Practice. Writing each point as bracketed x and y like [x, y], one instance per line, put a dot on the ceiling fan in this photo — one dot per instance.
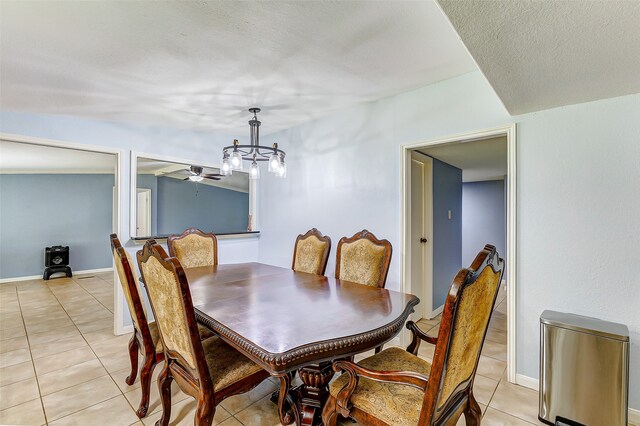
[198, 176]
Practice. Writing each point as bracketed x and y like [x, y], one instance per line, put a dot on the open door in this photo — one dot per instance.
[422, 232]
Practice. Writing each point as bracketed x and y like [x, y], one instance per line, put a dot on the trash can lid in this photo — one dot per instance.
[584, 324]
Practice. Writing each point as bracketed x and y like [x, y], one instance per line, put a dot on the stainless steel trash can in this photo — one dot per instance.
[584, 370]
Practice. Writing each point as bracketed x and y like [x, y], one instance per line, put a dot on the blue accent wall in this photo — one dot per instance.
[447, 233]
[483, 218]
[183, 204]
[37, 211]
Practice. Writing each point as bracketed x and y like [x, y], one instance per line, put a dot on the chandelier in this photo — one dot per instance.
[234, 155]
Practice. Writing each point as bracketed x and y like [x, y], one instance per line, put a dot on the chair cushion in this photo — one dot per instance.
[470, 324]
[194, 250]
[394, 404]
[226, 365]
[126, 286]
[361, 262]
[169, 308]
[204, 332]
[309, 255]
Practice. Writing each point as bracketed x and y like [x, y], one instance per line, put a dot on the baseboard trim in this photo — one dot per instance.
[526, 381]
[437, 312]
[126, 329]
[35, 277]
[531, 383]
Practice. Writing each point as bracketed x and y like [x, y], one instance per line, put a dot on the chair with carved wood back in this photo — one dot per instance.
[363, 259]
[208, 370]
[311, 252]
[194, 248]
[145, 335]
[145, 339]
[396, 387]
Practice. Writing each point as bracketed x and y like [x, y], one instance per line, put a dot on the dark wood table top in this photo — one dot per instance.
[285, 319]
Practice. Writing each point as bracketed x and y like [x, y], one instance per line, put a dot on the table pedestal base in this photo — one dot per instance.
[311, 395]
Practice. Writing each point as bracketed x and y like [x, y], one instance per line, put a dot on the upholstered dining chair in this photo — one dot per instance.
[363, 259]
[194, 248]
[208, 370]
[311, 252]
[396, 387]
[145, 339]
[145, 335]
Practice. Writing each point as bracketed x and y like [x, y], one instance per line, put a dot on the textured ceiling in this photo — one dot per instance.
[202, 64]
[543, 54]
[484, 159]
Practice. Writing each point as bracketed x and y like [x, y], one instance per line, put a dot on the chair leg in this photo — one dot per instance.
[330, 412]
[148, 366]
[164, 385]
[133, 356]
[473, 412]
[204, 413]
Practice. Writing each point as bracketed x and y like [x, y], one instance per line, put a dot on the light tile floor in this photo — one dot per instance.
[60, 364]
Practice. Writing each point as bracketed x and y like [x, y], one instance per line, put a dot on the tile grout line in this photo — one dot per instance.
[93, 405]
[512, 415]
[33, 365]
[84, 288]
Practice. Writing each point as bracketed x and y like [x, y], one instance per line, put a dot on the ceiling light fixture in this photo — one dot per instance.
[233, 155]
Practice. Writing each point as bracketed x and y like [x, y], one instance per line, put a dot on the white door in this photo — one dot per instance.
[143, 213]
[422, 232]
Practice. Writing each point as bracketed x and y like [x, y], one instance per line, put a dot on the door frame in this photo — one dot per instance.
[405, 169]
[118, 295]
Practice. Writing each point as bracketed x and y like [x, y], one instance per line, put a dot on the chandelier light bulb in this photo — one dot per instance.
[282, 170]
[274, 163]
[225, 168]
[254, 172]
[236, 160]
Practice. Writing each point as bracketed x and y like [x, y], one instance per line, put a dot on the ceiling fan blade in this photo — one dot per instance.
[186, 179]
[211, 175]
[212, 178]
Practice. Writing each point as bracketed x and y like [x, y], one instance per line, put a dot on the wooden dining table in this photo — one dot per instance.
[288, 321]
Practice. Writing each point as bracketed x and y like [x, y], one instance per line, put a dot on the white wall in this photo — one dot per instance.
[579, 220]
[344, 170]
[578, 196]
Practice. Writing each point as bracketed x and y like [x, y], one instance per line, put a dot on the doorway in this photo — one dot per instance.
[422, 263]
[77, 187]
